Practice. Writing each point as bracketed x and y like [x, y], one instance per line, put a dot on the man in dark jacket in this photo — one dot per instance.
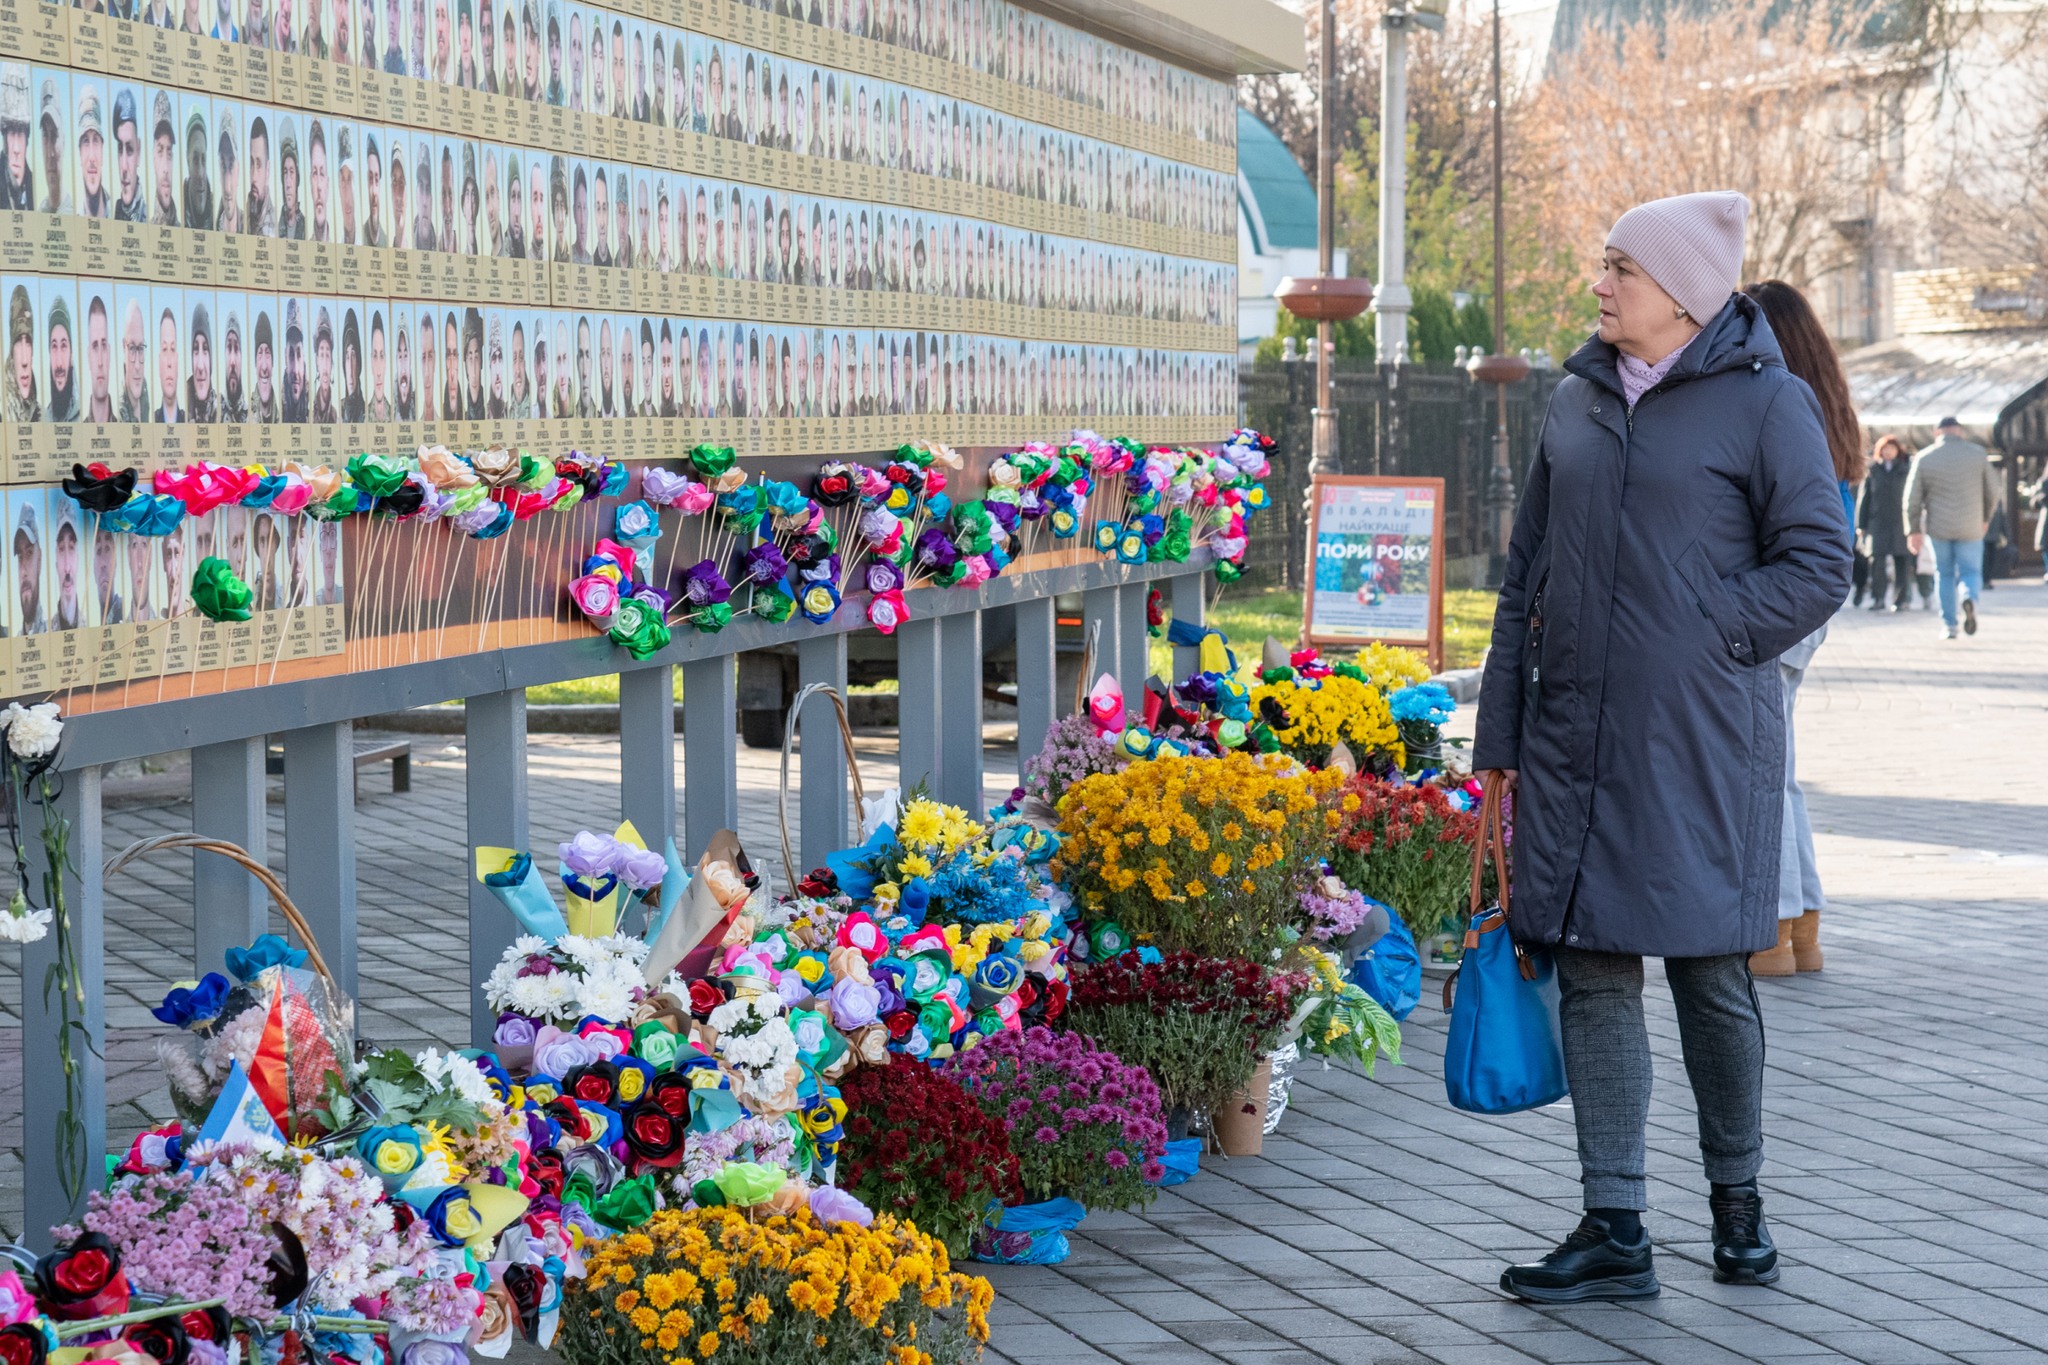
[1881, 521]
[1681, 528]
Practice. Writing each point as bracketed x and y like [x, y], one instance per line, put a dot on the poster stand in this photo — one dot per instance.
[1375, 545]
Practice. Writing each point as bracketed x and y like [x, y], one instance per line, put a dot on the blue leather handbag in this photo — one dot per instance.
[1503, 1053]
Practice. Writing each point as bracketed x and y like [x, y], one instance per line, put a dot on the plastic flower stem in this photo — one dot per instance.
[63, 977]
[162, 1310]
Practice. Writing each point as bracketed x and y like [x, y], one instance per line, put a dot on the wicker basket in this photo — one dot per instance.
[789, 864]
[164, 843]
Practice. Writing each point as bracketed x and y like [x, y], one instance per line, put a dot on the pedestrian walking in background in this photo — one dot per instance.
[1810, 356]
[1632, 697]
[2036, 495]
[1950, 495]
[1881, 523]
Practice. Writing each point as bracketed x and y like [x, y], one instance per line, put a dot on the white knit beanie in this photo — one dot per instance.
[1690, 244]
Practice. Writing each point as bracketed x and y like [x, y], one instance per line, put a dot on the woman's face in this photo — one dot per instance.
[1636, 315]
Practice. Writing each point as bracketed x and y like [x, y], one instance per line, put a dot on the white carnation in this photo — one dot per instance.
[19, 924]
[33, 732]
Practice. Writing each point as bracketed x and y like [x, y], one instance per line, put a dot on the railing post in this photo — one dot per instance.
[1191, 605]
[43, 1045]
[494, 758]
[1037, 675]
[823, 806]
[711, 754]
[320, 839]
[1134, 654]
[1099, 622]
[919, 696]
[229, 907]
[960, 768]
[647, 751]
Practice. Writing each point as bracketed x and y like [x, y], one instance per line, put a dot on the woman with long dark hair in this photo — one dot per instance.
[1679, 531]
[1810, 355]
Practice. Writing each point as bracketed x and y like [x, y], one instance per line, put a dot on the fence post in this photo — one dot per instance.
[320, 836]
[494, 748]
[43, 1201]
[711, 755]
[229, 907]
[919, 696]
[823, 805]
[960, 768]
[1191, 605]
[1134, 651]
[1038, 702]
[1099, 608]
[647, 751]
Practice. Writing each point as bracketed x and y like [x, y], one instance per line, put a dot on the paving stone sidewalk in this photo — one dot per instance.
[1907, 1090]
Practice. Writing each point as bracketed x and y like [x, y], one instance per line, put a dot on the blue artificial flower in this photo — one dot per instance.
[1427, 702]
[1106, 534]
[785, 498]
[635, 524]
[183, 1007]
[266, 952]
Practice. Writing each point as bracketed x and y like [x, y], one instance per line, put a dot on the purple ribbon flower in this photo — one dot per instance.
[884, 576]
[662, 486]
[765, 565]
[936, 551]
[704, 585]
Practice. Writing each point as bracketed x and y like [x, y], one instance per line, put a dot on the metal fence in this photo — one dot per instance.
[940, 658]
[1429, 420]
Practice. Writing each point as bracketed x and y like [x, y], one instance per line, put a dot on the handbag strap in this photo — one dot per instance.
[1492, 840]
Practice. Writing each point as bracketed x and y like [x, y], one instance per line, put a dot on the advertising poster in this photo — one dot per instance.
[1376, 571]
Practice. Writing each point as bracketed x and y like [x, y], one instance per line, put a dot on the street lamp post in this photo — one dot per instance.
[1391, 301]
[1326, 299]
[1499, 369]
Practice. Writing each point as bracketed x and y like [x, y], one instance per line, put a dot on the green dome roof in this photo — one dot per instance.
[1273, 190]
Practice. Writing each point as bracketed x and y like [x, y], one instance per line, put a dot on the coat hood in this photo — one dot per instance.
[1737, 337]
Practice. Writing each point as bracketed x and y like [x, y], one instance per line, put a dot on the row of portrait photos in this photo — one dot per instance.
[171, 158]
[758, 99]
[992, 37]
[106, 351]
[66, 571]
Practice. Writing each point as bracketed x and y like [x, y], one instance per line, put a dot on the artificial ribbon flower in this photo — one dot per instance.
[711, 461]
[219, 592]
[497, 467]
[637, 627]
[596, 595]
[888, 610]
[819, 602]
[446, 470]
[662, 487]
[97, 488]
[636, 524]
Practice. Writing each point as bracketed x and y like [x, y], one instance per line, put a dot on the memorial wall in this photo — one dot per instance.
[254, 232]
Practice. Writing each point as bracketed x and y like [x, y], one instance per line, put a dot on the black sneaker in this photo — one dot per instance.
[1743, 1250]
[1969, 616]
[1589, 1265]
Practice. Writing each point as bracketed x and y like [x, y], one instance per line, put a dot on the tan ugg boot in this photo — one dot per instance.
[1805, 941]
[1776, 961]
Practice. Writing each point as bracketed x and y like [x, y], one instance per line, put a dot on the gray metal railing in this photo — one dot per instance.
[940, 743]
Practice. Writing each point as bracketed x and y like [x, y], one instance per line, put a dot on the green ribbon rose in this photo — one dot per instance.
[219, 592]
[378, 475]
[710, 461]
[629, 1204]
[638, 628]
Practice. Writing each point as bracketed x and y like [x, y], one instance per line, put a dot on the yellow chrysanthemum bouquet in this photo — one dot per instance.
[1205, 855]
[713, 1287]
[1322, 711]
